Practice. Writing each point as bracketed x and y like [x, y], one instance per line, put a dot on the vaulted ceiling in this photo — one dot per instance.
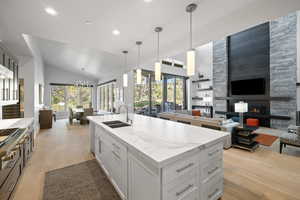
[67, 41]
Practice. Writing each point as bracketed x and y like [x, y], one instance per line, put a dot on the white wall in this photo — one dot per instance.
[26, 72]
[204, 66]
[298, 61]
[56, 75]
[32, 71]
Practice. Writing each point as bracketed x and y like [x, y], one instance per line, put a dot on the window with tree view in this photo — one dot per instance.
[69, 96]
[164, 95]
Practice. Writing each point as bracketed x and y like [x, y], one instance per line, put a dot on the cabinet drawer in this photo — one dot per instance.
[213, 152]
[100, 132]
[9, 185]
[181, 190]
[191, 196]
[213, 188]
[212, 167]
[179, 168]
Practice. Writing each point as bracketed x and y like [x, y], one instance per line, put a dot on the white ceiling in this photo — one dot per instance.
[97, 64]
[94, 43]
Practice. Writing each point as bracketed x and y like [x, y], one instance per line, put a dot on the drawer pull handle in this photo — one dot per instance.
[99, 146]
[214, 152]
[213, 170]
[115, 145]
[184, 190]
[115, 154]
[11, 188]
[212, 194]
[184, 168]
[9, 157]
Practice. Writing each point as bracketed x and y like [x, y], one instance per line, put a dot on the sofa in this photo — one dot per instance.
[211, 123]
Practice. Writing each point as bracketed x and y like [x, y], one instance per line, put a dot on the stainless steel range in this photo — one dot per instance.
[6, 135]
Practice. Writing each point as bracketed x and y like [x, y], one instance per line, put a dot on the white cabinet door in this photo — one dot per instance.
[106, 157]
[143, 184]
[119, 167]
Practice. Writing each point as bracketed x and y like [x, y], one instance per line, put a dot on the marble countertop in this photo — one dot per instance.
[15, 123]
[159, 140]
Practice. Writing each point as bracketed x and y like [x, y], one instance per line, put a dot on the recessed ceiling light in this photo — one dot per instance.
[88, 22]
[147, 1]
[51, 11]
[116, 32]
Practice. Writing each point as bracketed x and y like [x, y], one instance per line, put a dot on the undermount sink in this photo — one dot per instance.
[112, 122]
[115, 124]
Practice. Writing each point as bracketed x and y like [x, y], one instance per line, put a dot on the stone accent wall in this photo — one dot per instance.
[220, 73]
[283, 68]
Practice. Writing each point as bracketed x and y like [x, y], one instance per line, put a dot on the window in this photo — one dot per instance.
[165, 95]
[106, 96]
[58, 97]
[157, 95]
[69, 96]
[141, 97]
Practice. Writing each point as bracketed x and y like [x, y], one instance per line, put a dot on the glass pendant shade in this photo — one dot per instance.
[157, 71]
[138, 76]
[191, 62]
[125, 80]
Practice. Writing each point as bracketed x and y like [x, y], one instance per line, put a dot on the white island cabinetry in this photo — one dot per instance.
[144, 166]
[112, 156]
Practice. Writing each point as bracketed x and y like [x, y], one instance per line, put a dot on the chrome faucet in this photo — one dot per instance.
[127, 116]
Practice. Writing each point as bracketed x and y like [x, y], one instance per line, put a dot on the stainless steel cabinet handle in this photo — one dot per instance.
[115, 145]
[185, 167]
[9, 157]
[212, 194]
[11, 188]
[213, 170]
[99, 145]
[184, 190]
[115, 154]
[214, 152]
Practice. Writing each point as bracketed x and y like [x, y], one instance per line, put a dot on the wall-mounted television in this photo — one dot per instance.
[248, 87]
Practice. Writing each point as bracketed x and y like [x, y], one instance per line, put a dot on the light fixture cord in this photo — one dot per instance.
[157, 46]
[139, 54]
[191, 30]
[125, 59]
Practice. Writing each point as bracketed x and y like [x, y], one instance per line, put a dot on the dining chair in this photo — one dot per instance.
[71, 116]
[87, 112]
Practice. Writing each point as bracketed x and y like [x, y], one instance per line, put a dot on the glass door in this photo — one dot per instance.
[156, 96]
[170, 89]
[142, 95]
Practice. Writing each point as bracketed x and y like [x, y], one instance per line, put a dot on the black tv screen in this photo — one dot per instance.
[248, 87]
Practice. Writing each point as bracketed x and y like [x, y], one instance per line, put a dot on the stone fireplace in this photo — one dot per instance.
[277, 107]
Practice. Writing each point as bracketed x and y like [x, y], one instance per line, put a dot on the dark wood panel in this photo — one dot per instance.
[11, 111]
[249, 54]
[255, 98]
[253, 115]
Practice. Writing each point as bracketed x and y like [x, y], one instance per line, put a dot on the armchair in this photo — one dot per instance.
[292, 138]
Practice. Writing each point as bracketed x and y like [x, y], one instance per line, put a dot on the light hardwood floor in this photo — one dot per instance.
[262, 175]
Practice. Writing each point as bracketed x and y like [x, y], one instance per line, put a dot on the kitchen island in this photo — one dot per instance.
[156, 159]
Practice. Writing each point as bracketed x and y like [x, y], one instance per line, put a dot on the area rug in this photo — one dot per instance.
[266, 140]
[83, 181]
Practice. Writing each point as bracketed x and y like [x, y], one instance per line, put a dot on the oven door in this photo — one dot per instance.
[8, 162]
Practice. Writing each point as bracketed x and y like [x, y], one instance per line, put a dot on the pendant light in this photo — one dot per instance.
[191, 53]
[157, 63]
[139, 70]
[125, 76]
